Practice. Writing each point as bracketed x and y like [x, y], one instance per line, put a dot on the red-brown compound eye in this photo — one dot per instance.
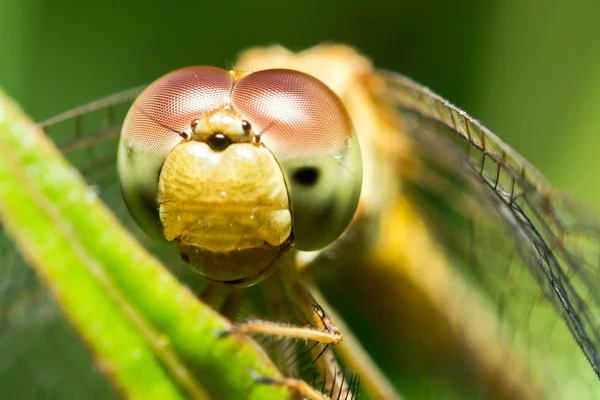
[156, 123]
[307, 128]
[170, 104]
[296, 114]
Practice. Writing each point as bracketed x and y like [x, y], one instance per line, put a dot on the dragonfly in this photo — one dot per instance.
[408, 217]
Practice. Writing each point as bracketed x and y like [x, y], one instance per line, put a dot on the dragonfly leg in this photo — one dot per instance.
[325, 332]
[307, 391]
[297, 385]
[308, 309]
[321, 328]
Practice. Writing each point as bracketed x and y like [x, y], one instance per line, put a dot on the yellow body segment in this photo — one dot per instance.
[223, 201]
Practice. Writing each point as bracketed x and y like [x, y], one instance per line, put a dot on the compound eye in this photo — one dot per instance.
[170, 105]
[159, 119]
[306, 126]
[295, 113]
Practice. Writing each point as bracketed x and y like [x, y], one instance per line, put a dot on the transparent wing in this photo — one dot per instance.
[533, 252]
[88, 136]
[40, 357]
[38, 350]
[35, 339]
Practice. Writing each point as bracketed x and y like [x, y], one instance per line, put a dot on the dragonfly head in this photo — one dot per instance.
[238, 168]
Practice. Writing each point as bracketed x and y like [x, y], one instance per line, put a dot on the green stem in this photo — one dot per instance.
[148, 332]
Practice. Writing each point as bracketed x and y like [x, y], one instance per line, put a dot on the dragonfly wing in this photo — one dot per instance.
[533, 252]
[88, 136]
[35, 339]
[40, 355]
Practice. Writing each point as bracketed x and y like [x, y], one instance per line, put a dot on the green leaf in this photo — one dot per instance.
[147, 332]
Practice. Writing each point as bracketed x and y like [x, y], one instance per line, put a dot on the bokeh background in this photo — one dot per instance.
[530, 70]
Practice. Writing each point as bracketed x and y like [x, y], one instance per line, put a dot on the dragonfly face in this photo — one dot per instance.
[466, 264]
[206, 158]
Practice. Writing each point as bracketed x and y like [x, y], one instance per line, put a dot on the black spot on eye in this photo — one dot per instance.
[218, 141]
[307, 176]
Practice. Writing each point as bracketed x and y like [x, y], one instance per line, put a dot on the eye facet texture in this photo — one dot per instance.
[152, 128]
[305, 124]
[296, 114]
[170, 104]
[297, 117]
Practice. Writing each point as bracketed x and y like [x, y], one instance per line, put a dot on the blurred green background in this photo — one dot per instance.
[530, 70]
